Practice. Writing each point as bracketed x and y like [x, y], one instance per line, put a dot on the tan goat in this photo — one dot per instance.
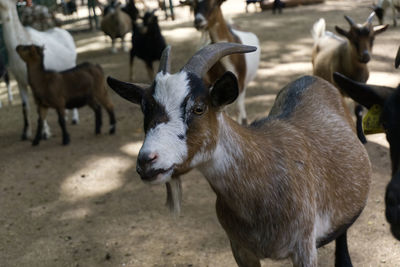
[349, 56]
[73, 88]
[285, 185]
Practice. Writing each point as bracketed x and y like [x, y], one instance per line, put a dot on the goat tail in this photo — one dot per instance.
[318, 29]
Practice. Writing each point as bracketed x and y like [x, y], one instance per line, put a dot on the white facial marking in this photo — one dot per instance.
[163, 139]
[201, 18]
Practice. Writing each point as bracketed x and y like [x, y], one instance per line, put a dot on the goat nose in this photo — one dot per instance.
[199, 21]
[145, 159]
[365, 57]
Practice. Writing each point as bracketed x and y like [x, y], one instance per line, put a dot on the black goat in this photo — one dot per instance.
[147, 43]
[386, 104]
[131, 10]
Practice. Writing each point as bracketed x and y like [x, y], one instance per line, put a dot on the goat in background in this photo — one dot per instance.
[73, 88]
[60, 55]
[116, 24]
[209, 18]
[381, 7]
[147, 43]
[349, 56]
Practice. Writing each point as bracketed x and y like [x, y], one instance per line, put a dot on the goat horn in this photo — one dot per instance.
[397, 61]
[205, 58]
[165, 61]
[371, 16]
[350, 20]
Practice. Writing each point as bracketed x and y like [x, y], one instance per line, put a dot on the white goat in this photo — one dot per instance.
[60, 54]
[380, 9]
[285, 185]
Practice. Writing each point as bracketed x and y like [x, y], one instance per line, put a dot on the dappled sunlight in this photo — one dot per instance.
[92, 46]
[95, 178]
[75, 213]
[181, 34]
[260, 99]
[384, 78]
[287, 69]
[380, 139]
[132, 149]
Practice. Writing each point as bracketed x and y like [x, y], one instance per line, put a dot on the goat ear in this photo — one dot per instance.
[341, 31]
[366, 95]
[225, 90]
[381, 28]
[129, 91]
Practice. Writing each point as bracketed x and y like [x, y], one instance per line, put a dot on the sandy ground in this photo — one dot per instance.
[84, 204]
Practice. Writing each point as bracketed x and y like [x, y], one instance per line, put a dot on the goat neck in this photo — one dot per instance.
[219, 30]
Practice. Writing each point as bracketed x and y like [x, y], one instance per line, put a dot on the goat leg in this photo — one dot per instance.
[7, 80]
[23, 91]
[358, 112]
[98, 120]
[38, 136]
[111, 114]
[61, 121]
[42, 113]
[244, 257]
[342, 256]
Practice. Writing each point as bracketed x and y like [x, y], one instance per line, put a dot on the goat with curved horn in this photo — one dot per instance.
[279, 193]
[197, 66]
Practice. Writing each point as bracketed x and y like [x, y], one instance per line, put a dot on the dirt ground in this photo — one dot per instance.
[84, 204]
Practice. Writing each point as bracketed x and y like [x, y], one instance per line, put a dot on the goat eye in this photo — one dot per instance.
[198, 110]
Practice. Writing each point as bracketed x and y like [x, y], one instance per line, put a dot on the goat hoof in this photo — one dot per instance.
[74, 122]
[112, 129]
[35, 142]
[24, 137]
[45, 136]
[392, 202]
[66, 141]
[244, 122]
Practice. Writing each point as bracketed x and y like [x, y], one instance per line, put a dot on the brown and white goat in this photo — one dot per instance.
[348, 56]
[73, 88]
[285, 185]
[208, 17]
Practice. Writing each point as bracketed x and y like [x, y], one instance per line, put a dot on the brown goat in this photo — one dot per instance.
[347, 56]
[285, 185]
[73, 88]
